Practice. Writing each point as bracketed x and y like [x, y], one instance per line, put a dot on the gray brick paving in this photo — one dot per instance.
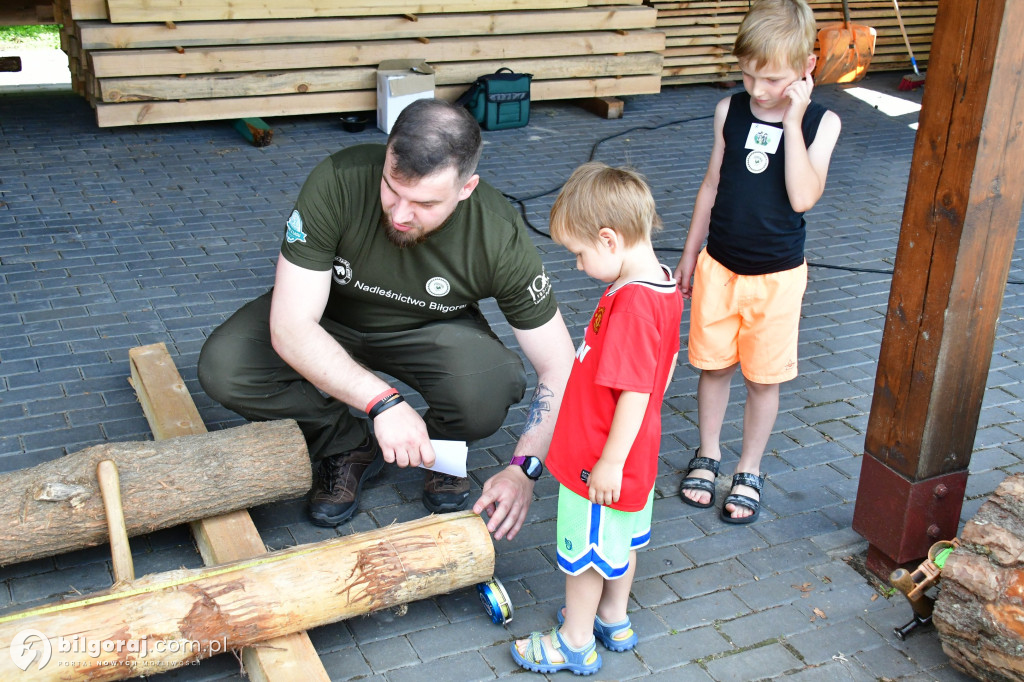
[122, 237]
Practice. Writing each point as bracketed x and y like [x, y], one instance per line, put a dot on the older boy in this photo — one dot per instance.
[604, 450]
[768, 166]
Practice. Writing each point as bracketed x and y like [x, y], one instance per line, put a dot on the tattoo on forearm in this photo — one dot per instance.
[539, 404]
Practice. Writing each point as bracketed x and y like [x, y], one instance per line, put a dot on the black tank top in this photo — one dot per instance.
[754, 229]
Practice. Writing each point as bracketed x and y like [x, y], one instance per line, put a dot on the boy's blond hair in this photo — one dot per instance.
[597, 196]
[778, 32]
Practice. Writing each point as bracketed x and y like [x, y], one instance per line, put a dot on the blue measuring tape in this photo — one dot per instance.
[495, 600]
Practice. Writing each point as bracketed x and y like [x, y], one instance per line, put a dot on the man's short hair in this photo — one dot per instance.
[597, 196]
[778, 32]
[431, 135]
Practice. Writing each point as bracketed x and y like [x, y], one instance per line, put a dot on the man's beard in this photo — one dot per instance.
[398, 238]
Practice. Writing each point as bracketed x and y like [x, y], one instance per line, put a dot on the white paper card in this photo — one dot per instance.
[763, 138]
[450, 457]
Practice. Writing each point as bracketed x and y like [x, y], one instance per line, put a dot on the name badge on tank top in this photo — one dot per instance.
[762, 140]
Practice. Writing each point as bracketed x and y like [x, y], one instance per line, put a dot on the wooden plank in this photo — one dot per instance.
[131, 113]
[170, 411]
[156, 62]
[257, 83]
[128, 11]
[100, 35]
[81, 10]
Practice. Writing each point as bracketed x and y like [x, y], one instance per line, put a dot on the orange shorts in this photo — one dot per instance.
[750, 319]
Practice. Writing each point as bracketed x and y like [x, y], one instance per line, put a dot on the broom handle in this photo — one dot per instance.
[906, 40]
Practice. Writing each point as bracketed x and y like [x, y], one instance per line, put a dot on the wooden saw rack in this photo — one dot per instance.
[170, 411]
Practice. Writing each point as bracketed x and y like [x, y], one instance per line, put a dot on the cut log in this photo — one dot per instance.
[979, 611]
[186, 615]
[56, 506]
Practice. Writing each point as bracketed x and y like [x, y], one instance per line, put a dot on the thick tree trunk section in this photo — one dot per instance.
[56, 506]
[979, 611]
[252, 600]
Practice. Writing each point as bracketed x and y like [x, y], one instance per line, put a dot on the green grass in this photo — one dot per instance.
[30, 37]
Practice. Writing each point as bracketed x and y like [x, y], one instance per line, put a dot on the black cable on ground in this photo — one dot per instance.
[521, 201]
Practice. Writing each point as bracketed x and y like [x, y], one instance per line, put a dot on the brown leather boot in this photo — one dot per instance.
[443, 493]
[338, 481]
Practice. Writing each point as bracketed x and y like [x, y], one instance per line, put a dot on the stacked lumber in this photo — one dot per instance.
[699, 34]
[167, 61]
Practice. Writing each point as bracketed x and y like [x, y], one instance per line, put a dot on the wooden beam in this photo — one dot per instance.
[259, 83]
[101, 35]
[143, 113]
[167, 61]
[229, 537]
[605, 107]
[960, 221]
[126, 11]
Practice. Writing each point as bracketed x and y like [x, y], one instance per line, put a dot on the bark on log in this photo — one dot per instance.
[56, 506]
[249, 601]
[979, 611]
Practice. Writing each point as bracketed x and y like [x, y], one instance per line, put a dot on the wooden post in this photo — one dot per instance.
[959, 225]
[171, 412]
[165, 620]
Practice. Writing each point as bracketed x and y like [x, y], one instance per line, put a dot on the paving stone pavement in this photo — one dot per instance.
[115, 238]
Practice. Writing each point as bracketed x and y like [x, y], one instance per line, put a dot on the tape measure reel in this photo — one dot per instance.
[495, 600]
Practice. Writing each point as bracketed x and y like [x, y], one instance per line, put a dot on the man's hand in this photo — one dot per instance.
[506, 498]
[403, 437]
[605, 482]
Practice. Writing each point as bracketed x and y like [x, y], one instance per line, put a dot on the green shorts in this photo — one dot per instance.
[594, 536]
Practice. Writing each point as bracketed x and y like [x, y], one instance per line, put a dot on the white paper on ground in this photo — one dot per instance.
[450, 457]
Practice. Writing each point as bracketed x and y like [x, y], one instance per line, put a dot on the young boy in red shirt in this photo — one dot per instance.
[604, 451]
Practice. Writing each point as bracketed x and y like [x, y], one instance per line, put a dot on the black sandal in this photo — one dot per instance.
[751, 481]
[694, 483]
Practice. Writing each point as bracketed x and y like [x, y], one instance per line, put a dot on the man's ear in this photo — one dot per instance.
[468, 188]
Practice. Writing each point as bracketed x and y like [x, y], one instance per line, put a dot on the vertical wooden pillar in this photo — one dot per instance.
[959, 226]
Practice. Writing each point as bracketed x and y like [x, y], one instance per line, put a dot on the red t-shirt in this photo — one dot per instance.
[629, 345]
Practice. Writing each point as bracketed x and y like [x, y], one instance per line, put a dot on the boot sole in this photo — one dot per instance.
[326, 521]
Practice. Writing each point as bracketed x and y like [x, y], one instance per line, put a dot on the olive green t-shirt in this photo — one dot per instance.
[482, 251]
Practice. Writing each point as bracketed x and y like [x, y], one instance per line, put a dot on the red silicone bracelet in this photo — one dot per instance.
[377, 399]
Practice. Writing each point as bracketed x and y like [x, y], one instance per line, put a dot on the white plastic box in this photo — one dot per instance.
[400, 82]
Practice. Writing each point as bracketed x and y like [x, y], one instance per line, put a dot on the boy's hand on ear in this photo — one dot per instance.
[799, 94]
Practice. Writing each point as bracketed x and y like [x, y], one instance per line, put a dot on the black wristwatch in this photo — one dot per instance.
[531, 466]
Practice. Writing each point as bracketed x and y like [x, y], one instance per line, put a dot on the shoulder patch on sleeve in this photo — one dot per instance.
[295, 233]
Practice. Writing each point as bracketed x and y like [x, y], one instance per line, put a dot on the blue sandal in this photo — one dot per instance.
[585, 661]
[751, 481]
[695, 483]
[610, 634]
